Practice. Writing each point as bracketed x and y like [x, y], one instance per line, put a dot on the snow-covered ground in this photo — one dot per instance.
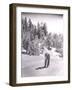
[30, 63]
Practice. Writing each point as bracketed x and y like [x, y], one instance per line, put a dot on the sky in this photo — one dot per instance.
[54, 22]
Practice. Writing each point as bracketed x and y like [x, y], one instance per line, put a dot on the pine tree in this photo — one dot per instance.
[38, 30]
[29, 25]
[25, 24]
[45, 29]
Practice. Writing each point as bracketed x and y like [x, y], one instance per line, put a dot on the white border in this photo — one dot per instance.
[18, 43]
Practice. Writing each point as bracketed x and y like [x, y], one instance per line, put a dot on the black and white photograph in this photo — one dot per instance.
[41, 45]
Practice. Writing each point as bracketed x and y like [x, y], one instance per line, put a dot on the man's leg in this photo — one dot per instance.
[48, 60]
[45, 63]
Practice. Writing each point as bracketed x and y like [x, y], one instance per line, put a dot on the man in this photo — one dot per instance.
[46, 57]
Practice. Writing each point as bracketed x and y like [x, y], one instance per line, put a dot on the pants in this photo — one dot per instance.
[47, 60]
